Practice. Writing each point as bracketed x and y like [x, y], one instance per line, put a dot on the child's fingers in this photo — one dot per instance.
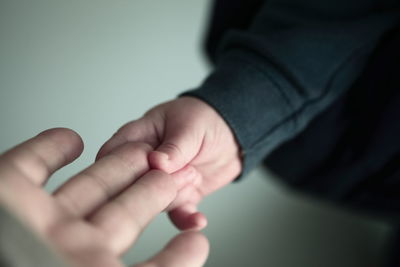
[180, 144]
[186, 217]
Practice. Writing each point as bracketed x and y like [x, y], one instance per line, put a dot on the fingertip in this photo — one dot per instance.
[61, 133]
[192, 222]
[201, 221]
[193, 237]
[160, 161]
[202, 241]
[67, 140]
[192, 245]
[186, 249]
[198, 221]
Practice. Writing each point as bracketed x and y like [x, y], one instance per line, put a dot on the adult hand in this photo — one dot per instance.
[99, 213]
[185, 132]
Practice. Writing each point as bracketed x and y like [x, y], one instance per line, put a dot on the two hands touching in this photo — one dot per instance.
[167, 160]
[185, 133]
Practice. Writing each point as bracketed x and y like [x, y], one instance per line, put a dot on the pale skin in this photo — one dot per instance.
[92, 219]
[185, 132]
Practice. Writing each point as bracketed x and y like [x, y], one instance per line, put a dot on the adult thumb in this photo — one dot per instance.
[179, 147]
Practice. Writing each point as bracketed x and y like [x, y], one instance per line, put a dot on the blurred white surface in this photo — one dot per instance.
[95, 65]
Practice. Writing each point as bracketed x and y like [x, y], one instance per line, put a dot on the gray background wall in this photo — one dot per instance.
[94, 65]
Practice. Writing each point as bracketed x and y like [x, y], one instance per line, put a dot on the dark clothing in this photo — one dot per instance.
[293, 85]
[351, 151]
[228, 15]
[313, 89]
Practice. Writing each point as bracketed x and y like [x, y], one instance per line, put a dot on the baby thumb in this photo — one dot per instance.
[178, 148]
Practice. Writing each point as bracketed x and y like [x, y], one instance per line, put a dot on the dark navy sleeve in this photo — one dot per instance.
[295, 59]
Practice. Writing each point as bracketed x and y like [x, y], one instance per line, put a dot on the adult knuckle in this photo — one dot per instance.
[99, 182]
[36, 166]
